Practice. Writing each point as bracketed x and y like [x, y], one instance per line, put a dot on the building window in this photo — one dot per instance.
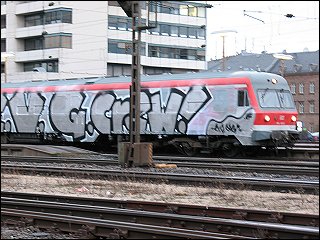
[175, 8]
[123, 47]
[174, 31]
[192, 11]
[49, 17]
[3, 21]
[3, 45]
[165, 52]
[176, 53]
[293, 88]
[201, 33]
[58, 16]
[119, 69]
[33, 43]
[301, 107]
[3, 3]
[201, 55]
[49, 66]
[122, 23]
[311, 88]
[183, 32]
[112, 22]
[202, 12]
[192, 32]
[154, 51]
[154, 6]
[62, 40]
[301, 88]
[183, 53]
[164, 8]
[2, 67]
[58, 41]
[125, 24]
[184, 10]
[33, 20]
[311, 107]
[165, 29]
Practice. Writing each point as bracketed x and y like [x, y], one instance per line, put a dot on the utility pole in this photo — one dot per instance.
[223, 33]
[223, 55]
[135, 153]
[135, 89]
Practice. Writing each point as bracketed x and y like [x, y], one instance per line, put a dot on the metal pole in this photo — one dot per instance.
[5, 69]
[136, 68]
[135, 153]
[135, 82]
[223, 57]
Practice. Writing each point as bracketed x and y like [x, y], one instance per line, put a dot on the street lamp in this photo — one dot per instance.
[223, 34]
[282, 58]
[4, 58]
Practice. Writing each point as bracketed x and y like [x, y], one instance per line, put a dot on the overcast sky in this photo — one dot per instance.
[264, 27]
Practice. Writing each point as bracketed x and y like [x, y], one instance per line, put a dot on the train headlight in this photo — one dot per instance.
[293, 118]
[266, 118]
[274, 81]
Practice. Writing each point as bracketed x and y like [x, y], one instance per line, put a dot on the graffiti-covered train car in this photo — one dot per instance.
[191, 111]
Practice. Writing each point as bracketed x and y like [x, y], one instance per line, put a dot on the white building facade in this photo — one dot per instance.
[43, 40]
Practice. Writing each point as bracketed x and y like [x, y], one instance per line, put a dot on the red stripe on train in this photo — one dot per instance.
[154, 84]
[116, 86]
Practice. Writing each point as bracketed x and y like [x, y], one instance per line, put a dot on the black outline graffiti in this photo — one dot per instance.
[228, 127]
[48, 100]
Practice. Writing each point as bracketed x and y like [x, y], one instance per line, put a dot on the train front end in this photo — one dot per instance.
[276, 114]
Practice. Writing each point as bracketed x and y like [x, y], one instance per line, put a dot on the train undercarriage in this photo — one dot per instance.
[224, 146]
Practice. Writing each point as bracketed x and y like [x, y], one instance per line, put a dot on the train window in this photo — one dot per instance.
[243, 98]
[286, 99]
[268, 98]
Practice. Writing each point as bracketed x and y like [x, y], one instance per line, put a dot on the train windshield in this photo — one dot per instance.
[275, 98]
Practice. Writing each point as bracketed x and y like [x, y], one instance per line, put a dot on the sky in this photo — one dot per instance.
[257, 26]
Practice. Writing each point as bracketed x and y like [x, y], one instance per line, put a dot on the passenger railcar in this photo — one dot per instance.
[191, 111]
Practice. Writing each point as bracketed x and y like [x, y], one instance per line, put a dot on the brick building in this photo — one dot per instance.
[302, 74]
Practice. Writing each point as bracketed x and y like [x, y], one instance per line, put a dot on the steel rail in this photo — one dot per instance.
[105, 158]
[190, 222]
[106, 228]
[186, 209]
[134, 175]
[295, 168]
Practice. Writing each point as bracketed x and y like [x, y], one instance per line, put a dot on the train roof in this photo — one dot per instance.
[252, 75]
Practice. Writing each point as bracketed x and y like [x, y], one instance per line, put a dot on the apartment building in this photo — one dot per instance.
[43, 40]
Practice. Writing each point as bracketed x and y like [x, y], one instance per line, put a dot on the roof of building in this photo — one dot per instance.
[302, 62]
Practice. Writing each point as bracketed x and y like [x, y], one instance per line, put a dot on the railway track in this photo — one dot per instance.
[282, 167]
[138, 219]
[300, 150]
[259, 183]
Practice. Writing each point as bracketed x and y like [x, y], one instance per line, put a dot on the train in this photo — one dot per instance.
[225, 112]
